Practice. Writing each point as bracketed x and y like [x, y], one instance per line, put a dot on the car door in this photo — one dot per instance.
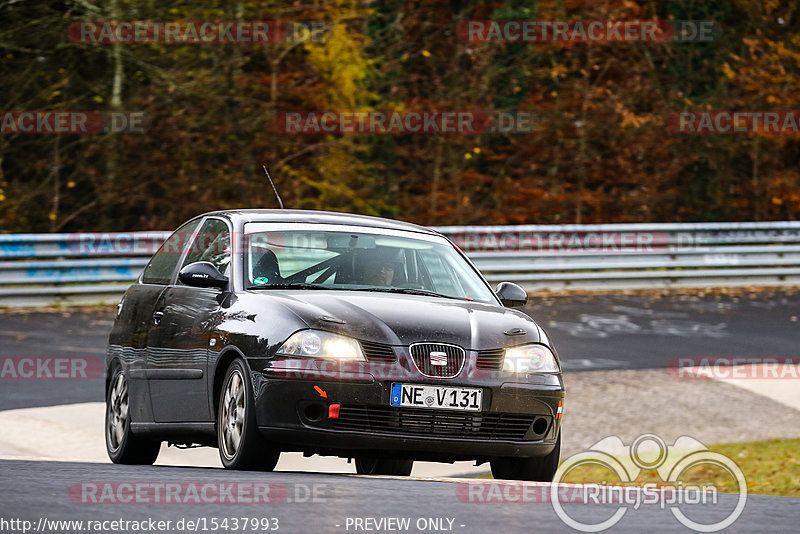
[135, 313]
[178, 340]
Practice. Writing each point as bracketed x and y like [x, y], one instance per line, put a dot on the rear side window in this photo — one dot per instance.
[162, 265]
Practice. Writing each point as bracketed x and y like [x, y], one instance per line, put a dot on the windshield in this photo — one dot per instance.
[362, 259]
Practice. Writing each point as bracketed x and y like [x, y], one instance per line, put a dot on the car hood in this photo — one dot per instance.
[405, 319]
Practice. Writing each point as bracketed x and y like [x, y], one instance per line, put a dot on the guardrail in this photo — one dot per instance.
[635, 256]
[72, 269]
[83, 268]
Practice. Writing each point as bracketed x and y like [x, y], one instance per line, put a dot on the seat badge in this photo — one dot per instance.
[438, 358]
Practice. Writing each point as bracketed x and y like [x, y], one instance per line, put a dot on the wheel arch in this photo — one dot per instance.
[224, 361]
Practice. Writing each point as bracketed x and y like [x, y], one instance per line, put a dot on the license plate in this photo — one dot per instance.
[437, 397]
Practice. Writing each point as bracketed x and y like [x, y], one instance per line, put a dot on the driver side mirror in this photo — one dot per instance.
[511, 295]
[202, 274]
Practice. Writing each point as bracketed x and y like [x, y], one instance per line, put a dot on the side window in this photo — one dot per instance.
[162, 264]
[212, 244]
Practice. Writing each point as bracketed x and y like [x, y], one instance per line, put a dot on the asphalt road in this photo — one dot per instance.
[310, 503]
[53, 334]
[643, 332]
[589, 332]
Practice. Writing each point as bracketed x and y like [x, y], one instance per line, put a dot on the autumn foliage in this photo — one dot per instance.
[600, 149]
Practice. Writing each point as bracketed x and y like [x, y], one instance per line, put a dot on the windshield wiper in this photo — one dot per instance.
[291, 285]
[412, 291]
[402, 290]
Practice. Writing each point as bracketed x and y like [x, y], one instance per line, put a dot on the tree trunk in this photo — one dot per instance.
[437, 174]
[56, 184]
[116, 99]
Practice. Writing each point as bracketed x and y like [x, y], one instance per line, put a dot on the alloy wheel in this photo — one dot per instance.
[118, 412]
[233, 412]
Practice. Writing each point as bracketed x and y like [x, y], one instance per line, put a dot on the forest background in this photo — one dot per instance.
[600, 151]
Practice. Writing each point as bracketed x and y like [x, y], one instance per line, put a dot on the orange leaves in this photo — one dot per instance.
[728, 71]
[558, 71]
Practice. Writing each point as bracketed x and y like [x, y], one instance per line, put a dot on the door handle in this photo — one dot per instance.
[157, 316]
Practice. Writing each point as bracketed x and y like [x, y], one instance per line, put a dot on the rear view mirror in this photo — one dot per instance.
[344, 241]
[202, 274]
[511, 295]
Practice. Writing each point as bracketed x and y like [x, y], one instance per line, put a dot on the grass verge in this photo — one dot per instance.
[771, 467]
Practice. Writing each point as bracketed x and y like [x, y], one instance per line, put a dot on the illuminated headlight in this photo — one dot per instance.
[317, 344]
[530, 359]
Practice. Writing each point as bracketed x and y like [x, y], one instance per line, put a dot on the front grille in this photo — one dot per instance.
[378, 352]
[394, 420]
[490, 359]
[453, 359]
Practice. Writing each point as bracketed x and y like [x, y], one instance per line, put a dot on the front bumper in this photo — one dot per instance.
[516, 419]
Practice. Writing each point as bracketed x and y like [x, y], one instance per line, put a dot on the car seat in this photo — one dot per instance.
[268, 267]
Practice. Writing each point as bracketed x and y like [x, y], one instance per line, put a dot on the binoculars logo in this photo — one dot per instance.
[650, 452]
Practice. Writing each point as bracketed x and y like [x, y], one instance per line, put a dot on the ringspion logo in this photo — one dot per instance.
[650, 453]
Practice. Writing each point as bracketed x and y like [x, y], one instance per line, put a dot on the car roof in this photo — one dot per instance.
[317, 217]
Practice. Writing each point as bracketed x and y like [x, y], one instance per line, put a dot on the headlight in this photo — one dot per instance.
[317, 344]
[530, 359]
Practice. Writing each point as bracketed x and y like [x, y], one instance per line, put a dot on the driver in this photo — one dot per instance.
[376, 268]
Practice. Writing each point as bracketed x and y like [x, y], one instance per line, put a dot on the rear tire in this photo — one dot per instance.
[384, 466]
[122, 446]
[241, 445]
[538, 469]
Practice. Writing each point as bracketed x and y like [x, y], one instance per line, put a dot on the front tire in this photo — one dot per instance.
[122, 446]
[384, 466]
[241, 445]
[538, 469]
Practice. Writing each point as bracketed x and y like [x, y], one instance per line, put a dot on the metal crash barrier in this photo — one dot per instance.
[72, 269]
[94, 268]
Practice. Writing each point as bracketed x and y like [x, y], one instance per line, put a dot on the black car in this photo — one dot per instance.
[262, 331]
